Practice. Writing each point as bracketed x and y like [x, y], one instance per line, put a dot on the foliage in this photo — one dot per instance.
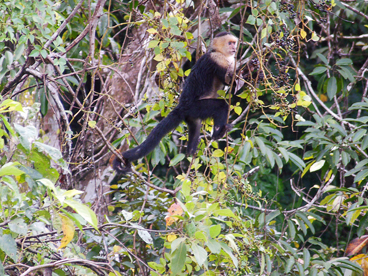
[282, 194]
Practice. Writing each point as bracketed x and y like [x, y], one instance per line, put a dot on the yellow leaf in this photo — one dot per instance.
[152, 31]
[358, 258]
[161, 66]
[171, 237]
[323, 98]
[238, 110]
[221, 176]
[116, 248]
[68, 231]
[315, 37]
[214, 144]
[303, 34]
[170, 220]
[218, 153]
[293, 105]
[92, 124]
[159, 57]
[328, 176]
[189, 35]
[297, 87]
[229, 149]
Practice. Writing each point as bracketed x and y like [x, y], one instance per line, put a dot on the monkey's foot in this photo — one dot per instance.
[219, 131]
[121, 166]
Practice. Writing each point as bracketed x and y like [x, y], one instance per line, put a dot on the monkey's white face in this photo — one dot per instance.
[226, 45]
[231, 47]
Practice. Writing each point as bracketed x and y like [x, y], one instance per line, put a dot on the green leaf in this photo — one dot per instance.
[214, 246]
[359, 134]
[199, 235]
[270, 158]
[19, 51]
[8, 245]
[318, 71]
[288, 247]
[224, 212]
[251, 20]
[215, 230]
[296, 160]
[177, 159]
[323, 58]
[291, 229]
[365, 143]
[153, 44]
[272, 215]
[313, 271]
[18, 226]
[361, 175]
[27, 135]
[306, 220]
[146, 236]
[10, 169]
[84, 211]
[316, 166]
[34, 53]
[306, 258]
[54, 153]
[178, 261]
[346, 74]
[289, 264]
[186, 186]
[200, 254]
[261, 145]
[284, 153]
[9, 57]
[44, 53]
[344, 61]
[331, 87]
[227, 249]
[176, 243]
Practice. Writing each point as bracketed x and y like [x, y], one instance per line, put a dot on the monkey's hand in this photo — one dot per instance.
[219, 131]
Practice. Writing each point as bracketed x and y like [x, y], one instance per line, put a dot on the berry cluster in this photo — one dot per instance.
[325, 6]
[285, 41]
[283, 77]
[289, 8]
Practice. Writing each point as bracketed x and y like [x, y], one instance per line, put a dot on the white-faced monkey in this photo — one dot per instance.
[198, 101]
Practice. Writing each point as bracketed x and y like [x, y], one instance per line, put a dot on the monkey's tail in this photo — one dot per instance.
[169, 123]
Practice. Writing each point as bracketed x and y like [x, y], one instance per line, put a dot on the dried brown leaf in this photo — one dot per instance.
[356, 245]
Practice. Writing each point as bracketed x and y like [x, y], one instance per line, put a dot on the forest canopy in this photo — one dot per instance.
[282, 193]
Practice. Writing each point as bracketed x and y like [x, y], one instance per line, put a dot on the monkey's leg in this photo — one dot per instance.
[194, 126]
[216, 109]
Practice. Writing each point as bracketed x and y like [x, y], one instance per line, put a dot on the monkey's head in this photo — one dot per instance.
[225, 43]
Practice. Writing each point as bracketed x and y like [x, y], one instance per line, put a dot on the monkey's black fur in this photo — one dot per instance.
[193, 107]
